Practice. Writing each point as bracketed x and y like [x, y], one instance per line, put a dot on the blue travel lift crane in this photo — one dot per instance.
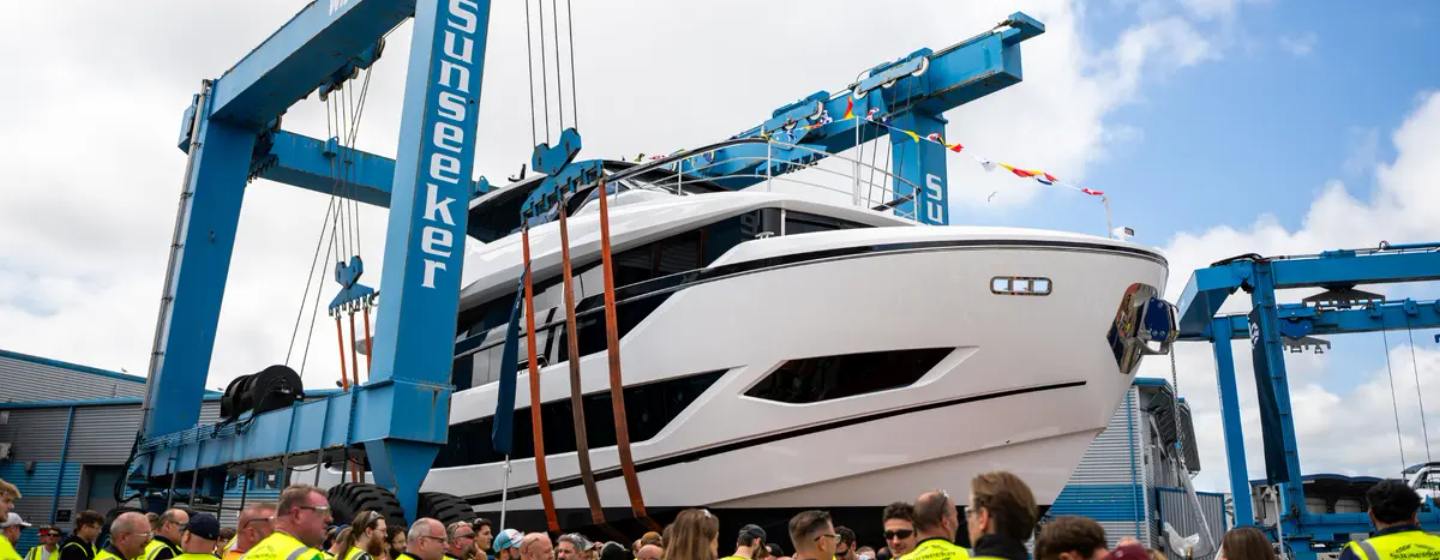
[232, 135]
[1274, 328]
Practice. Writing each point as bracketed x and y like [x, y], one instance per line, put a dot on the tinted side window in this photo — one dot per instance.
[824, 378]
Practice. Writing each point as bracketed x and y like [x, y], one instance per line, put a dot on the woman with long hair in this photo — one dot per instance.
[693, 536]
[1246, 543]
[364, 539]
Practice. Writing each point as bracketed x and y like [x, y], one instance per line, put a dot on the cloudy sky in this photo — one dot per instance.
[1218, 127]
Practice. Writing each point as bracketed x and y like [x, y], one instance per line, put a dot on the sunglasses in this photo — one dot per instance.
[901, 534]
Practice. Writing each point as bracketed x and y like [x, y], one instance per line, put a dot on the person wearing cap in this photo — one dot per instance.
[49, 545]
[1001, 516]
[167, 530]
[80, 545]
[198, 541]
[129, 533]
[507, 544]
[1393, 511]
[10, 528]
[751, 539]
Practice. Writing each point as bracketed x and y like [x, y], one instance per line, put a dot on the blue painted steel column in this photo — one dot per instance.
[1230, 418]
[1282, 457]
[210, 210]
[424, 247]
[922, 164]
[64, 454]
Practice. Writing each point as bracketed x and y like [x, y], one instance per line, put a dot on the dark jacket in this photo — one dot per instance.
[998, 546]
[75, 548]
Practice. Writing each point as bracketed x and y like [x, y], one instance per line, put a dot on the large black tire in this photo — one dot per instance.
[351, 498]
[445, 507]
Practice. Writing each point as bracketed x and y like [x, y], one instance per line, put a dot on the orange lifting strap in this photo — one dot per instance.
[537, 430]
[354, 360]
[617, 386]
[572, 356]
[368, 343]
[340, 340]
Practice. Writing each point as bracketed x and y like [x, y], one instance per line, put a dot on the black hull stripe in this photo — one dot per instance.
[665, 285]
[662, 462]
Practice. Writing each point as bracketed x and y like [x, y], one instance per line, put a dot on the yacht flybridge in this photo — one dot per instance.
[784, 351]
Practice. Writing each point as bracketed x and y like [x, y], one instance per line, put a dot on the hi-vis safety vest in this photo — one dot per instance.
[154, 547]
[1404, 545]
[7, 549]
[107, 554]
[280, 546]
[940, 549]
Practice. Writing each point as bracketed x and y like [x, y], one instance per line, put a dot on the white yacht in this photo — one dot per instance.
[782, 352]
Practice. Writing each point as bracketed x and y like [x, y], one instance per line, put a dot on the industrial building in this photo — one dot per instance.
[66, 431]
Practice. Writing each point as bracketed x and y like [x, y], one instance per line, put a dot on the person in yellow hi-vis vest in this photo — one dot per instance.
[8, 494]
[198, 541]
[1393, 511]
[165, 545]
[49, 547]
[427, 540]
[1001, 516]
[300, 521]
[812, 534]
[936, 521]
[129, 534]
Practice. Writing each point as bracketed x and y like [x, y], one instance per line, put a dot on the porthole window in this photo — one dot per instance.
[1020, 285]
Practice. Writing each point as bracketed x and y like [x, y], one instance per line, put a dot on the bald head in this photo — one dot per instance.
[426, 540]
[936, 516]
[650, 552]
[130, 532]
[537, 546]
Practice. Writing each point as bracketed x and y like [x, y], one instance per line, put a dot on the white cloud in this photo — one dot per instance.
[1299, 45]
[1349, 431]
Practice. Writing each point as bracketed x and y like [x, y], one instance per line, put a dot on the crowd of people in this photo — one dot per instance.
[1001, 517]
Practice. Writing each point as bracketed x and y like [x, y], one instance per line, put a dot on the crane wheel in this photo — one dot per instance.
[351, 498]
[447, 508]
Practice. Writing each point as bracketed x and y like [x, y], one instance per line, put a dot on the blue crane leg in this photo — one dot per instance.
[424, 250]
[185, 332]
[921, 165]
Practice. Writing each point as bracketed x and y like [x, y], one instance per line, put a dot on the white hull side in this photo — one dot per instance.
[750, 324]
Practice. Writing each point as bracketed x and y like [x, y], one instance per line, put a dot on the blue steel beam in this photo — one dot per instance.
[1208, 288]
[911, 93]
[302, 55]
[312, 164]
[1302, 320]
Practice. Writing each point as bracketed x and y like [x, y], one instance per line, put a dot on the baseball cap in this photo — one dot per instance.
[615, 551]
[508, 538]
[205, 526]
[1128, 551]
[13, 521]
[50, 530]
[752, 531]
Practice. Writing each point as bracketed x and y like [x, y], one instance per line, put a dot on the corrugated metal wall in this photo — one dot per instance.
[35, 434]
[1109, 485]
[24, 378]
[1175, 507]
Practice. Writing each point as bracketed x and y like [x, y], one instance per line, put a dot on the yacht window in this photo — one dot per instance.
[648, 409]
[825, 378]
[1020, 286]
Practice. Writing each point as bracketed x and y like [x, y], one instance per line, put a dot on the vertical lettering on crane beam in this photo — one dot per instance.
[934, 199]
[445, 139]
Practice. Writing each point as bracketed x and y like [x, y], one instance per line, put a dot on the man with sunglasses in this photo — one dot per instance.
[256, 522]
[427, 540]
[936, 521]
[813, 535]
[899, 522]
[49, 547]
[462, 541]
[166, 542]
[300, 522]
[129, 534]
